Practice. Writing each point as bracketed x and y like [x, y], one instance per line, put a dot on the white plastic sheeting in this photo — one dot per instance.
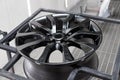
[104, 9]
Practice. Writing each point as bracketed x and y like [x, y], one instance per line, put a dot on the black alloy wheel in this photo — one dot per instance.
[58, 32]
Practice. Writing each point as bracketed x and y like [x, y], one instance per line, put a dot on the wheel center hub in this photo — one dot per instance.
[58, 36]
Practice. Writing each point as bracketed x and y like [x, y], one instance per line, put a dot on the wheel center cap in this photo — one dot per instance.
[58, 36]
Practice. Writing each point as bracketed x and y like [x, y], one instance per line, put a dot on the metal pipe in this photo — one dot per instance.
[84, 15]
[92, 72]
[7, 43]
[8, 48]
[11, 75]
[12, 62]
[9, 56]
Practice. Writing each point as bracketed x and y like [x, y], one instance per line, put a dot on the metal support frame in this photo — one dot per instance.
[10, 36]
[90, 71]
[11, 75]
[12, 62]
[9, 55]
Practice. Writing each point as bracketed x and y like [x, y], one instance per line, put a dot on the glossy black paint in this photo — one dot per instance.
[49, 31]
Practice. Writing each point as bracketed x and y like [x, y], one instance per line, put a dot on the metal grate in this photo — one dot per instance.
[111, 40]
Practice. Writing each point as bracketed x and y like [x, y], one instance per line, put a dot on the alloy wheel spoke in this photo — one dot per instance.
[29, 44]
[29, 34]
[39, 26]
[66, 22]
[72, 29]
[51, 19]
[47, 51]
[84, 46]
[84, 33]
[67, 54]
[83, 24]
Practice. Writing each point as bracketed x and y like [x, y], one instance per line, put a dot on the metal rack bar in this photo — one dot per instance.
[11, 75]
[8, 48]
[84, 15]
[92, 72]
[9, 55]
[12, 62]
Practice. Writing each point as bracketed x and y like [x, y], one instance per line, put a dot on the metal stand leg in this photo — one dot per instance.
[9, 56]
